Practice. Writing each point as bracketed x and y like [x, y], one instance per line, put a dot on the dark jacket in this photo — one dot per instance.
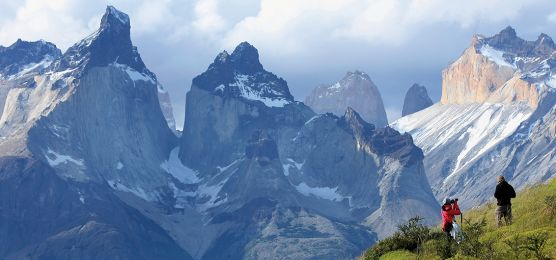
[504, 193]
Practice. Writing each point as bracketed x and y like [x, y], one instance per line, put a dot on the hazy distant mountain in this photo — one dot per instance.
[416, 99]
[355, 90]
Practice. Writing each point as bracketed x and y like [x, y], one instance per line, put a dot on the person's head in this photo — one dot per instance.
[501, 179]
[448, 201]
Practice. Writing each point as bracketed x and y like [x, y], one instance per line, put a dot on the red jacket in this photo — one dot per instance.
[448, 212]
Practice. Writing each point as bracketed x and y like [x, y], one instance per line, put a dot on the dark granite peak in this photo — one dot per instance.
[416, 99]
[246, 58]
[240, 74]
[111, 43]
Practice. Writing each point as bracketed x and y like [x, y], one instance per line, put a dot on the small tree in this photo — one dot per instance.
[550, 206]
[414, 232]
[535, 243]
[470, 244]
[445, 247]
[410, 236]
[516, 245]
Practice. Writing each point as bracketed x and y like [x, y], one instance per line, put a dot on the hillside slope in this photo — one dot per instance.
[531, 219]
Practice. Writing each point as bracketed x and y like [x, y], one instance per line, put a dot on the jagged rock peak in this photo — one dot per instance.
[22, 55]
[110, 44]
[508, 42]
[382, 141]
[416, 99]
[353, 118]
[114, 18]
[241, 74]
[246, 57]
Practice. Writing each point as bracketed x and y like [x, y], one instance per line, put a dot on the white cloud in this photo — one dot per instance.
[151, 16]
[306, 42]
[208, 19]
[552, 17]
[295, 25]
[37, 19]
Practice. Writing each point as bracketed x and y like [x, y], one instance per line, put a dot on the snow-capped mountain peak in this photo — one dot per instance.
[497, 100]
[110, 44]
[241, 74]
[503, 68]
[22, 57]
[533, 60]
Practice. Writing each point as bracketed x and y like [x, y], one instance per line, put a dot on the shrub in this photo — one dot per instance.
[470, 244]
[410, 236]
[516, 246]
[535, 244]
[550, 206]
[445, 247]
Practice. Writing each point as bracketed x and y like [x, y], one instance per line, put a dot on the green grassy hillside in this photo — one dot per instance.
[531, 236]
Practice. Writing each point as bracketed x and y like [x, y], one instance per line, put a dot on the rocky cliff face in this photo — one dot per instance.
[491, 120]
[166, 106]
[75, 135]
[416, 99]
[355, 90]
[268, 154]
[20, 61]
[500, 69]
[85, 148]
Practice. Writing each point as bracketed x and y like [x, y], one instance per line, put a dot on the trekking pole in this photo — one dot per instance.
[461, 219]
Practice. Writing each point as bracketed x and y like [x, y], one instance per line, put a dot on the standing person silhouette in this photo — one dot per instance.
[503, 194]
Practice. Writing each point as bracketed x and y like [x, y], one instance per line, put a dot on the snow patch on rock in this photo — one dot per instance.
[175, 168]
[495, 55]
[326, 193]
[243, 83]
[55, 159]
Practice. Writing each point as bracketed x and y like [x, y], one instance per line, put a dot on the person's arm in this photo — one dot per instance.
[455, 209]
[497, 192]
[512, 191]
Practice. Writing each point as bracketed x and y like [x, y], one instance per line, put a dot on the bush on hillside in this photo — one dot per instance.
[535, 244]
[410, 236]
[550, 206]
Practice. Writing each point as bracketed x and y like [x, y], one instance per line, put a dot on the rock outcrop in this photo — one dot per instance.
[416, 99]
[355, 90]
[500, 69]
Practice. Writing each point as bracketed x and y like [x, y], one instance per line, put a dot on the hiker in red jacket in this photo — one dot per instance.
[449, 210]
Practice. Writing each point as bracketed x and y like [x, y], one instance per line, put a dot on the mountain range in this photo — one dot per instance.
[90, 167]
[495, 117]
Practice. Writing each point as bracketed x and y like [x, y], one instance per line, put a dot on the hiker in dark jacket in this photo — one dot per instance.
[504, 193]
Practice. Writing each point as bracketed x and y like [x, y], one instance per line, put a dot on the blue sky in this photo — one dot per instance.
[309, 42]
